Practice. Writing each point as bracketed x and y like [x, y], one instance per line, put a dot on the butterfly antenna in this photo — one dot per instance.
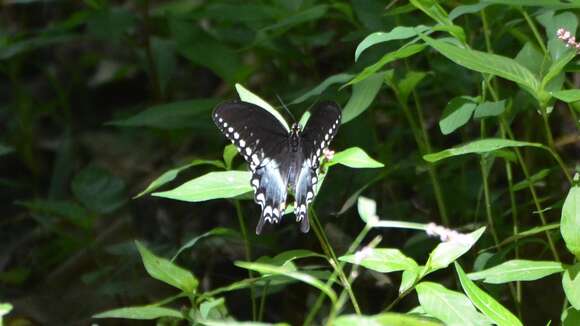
[285, 107]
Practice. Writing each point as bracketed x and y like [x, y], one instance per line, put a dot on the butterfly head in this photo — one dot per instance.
[296, 128]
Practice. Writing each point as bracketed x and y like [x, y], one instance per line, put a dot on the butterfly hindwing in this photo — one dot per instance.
[316, 136]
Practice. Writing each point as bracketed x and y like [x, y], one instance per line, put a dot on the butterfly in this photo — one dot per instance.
[280, 159]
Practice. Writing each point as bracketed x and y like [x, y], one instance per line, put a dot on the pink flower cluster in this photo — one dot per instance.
[447, 235]
[568, 38]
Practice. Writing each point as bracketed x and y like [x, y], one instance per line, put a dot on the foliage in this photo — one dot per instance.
[456, 152]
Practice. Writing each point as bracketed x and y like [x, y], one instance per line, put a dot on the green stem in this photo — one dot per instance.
[263, 301]
[248, 255]
[535, 31]
[532, 190]
[318, 229]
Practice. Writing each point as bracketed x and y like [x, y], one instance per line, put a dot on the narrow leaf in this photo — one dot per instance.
[397, 33]
[456, 114]
[335, 79]
[570, 223]
[478, 147]
[485, 303]
[363, 94]
[382, 260]
[447, 252]
[355, 157]
[384, 319]
[140, 313]
[568, 95]
[489, 109]
[571, 285]
[247, 96]
[219, 231]
[214, 185]
[517, 270]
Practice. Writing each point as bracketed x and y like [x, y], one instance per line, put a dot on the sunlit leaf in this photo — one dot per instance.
[367, 209]
[485, 303]
[456, 114]
[384, 319]
[355, 157]
[214, 185]
[170, 175]
[570, 222]
[247, 96]
[447, 252]
[567, 95]
[489, 109]
[383, 260]
[571, 285]
[452, 308]
[141, 313]
[517, 270]
[165, 271]
[397, 33]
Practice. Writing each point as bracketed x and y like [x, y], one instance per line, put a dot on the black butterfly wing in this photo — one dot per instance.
[263, 141]
[316, 136]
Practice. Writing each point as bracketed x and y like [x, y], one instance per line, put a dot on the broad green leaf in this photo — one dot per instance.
[230, 152]
[409, 277]
[175, 115]
[552, 21]
[247, 96]
[489, 109]
[487, 63]
[447, 252]
[485, 303]
[214, 185]
[363, 94]
[367, 209]
[567, 95]
[165, 59]
[61, 209]
[170, 175]
[401, 53]
[219, 231]
[99, 190]
[478, 147]
[286, 257]
[5, 149]
[384, 319]
[456, 114]
[212, 308]
[557, 67]
[571, 285]
[205, 51]
[452, 308]
[382, 260]
[397, 33]
[571, 317]
[517, 270]
[266, 269]
[165, 271]
[570, 222]
[334, 79]
[141, 313]
[355, 157]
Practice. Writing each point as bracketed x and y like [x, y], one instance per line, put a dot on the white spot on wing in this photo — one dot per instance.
[242, 143]
[255, 159]
[230, 129]
[236, 135]
[248, 151]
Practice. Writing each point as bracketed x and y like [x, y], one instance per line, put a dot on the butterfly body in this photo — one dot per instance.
[282, 161]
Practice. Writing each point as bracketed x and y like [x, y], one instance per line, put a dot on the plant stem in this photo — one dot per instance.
[263, 301]
[333, 259]
[248, 251]
[535, 31]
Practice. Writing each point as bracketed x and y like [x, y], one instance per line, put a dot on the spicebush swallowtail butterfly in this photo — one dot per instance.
[280, 159]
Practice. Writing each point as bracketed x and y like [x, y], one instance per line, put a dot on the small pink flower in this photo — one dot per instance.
[360, 255]
[568, 39]
[328, 154]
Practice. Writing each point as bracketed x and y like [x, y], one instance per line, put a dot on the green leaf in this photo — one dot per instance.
[367, 209]
[567, 95]
[334, 79]
[487, 63]
[397, 33]
[8, 51]
[447, 252]
[433, 10]
[230, 152]
[517, 270]
[170, 175]
[571, 285]
[452, 308]
[489, 109]
[5, 309]
[467, 9]
[355, 157]
[409, 83]
[571, 317]
[478, 147]
[555, 4]
[175, 115]
[213, 185]
[557, 67]
[286, 257]
[219, 231]
[384, 319]
[69, 210]
[301, 17]
[247, 96]
[165, 271]
[266, 269]
[534, 179]
[99, 190]
[140, 313]
[408, 278]
[382, 260]
[401, 53]
[456, 114]
[485, 303]
[363, 94]
[570, 222]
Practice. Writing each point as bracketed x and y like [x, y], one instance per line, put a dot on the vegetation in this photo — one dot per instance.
[451, 198]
